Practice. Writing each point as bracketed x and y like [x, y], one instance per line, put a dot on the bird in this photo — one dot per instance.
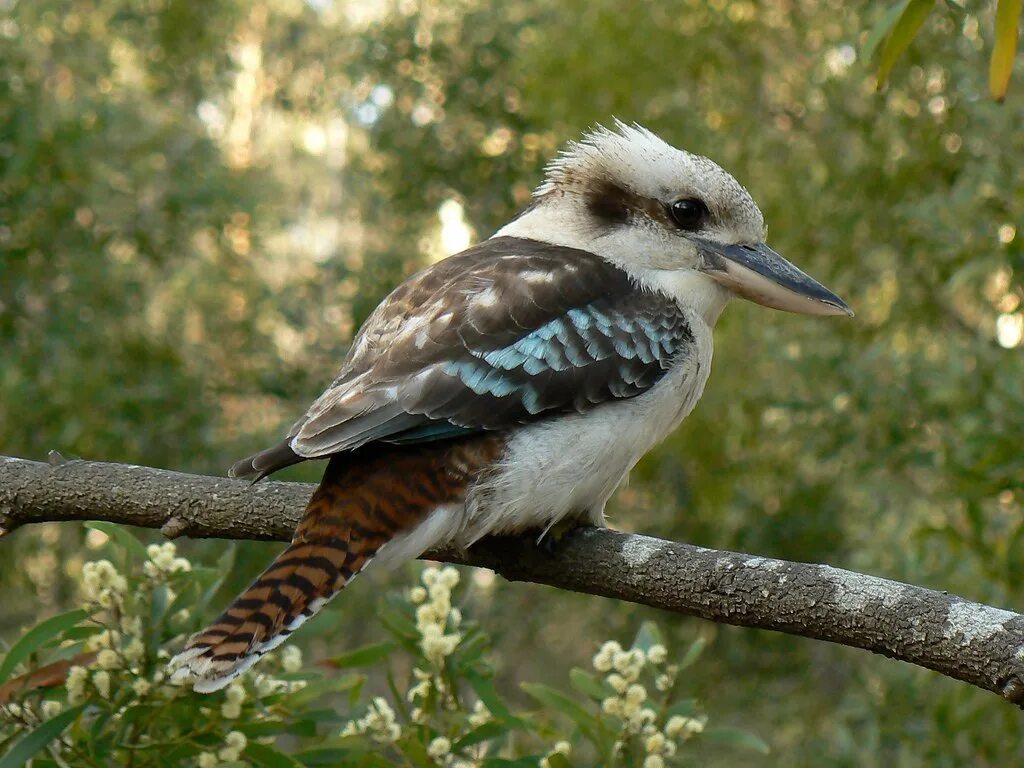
[513, 386]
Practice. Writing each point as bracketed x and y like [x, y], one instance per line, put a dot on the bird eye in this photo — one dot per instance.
[688, 214]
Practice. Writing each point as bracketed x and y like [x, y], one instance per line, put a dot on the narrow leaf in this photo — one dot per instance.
[326, 686]
[880, 30]
[589, 685]
[559, 702]
[361, 657]
[24, 750]
[486, 732]
[261, 754]
[735, 737]
[903, 34]
[648, 635]
[693, 653]
[1005, 50]
[36, 637]
[484, 689]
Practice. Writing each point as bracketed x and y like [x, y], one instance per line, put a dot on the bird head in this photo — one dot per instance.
[667, 216]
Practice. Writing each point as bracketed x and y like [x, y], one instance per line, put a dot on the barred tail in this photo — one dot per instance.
[365, 500]
[292, 589]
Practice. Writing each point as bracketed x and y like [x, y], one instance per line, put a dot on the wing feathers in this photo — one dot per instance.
[500, 335]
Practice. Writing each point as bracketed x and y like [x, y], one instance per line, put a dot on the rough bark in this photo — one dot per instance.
[967, 641]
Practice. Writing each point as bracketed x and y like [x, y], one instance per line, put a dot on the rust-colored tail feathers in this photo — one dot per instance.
[364, 500]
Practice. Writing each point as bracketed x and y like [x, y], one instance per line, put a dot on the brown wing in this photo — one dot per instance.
[499, 335]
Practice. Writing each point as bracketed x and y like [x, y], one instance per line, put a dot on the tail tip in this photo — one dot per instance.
[195, 666]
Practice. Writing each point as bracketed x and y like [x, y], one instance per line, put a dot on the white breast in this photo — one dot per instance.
[570, 465]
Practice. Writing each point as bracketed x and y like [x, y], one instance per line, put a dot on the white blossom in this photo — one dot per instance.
[603, 658]
[235, 744]
[655, 743]
[657, 654]
[291, 659]
[680, 727]
[235, 693]
[379, 723]
[439, 747]
[163, 560]
[75, 683]
[101, 680]
[480, 715]
[108, 659]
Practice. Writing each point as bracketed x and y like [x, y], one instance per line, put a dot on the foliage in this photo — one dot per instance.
[904, 20]
[198, 207]
[96, 689]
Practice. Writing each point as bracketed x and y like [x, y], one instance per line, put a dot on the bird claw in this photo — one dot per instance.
[552, 537]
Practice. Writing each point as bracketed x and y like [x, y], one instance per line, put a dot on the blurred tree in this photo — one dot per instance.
[198, 208]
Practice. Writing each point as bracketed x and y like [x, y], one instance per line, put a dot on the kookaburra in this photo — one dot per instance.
[514, 385]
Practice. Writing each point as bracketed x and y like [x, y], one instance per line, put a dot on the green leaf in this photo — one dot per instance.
[648, 635]
[880, 30]
[684, 707]
[490, 730]
[693, 653]
[361, 657]
[329, 756]
[1004, 52]
[484, 689]
[261, 754]
[736, 737]
[36, 638]
[589, 685]
[37, 740]
[120, 535]
[907, 26]
[157, 612]
[323, 687]
[415, 752]
[559, 702]
[558, 760]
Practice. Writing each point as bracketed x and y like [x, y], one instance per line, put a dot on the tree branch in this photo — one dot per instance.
[967, 641]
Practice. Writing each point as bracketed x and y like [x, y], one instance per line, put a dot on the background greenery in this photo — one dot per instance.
[200, 203]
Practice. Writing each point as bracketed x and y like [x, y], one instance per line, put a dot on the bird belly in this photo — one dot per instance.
[569, 466]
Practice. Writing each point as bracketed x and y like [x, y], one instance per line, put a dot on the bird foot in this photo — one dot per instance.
[551, 537]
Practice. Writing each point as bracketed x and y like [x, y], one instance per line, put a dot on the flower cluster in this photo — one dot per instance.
[379, 723]
[435, 614]
[630, 706]
[102, 585]
[163, 561]
[118, 667]
[234, 744]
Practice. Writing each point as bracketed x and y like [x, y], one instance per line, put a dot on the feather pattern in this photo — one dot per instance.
[366, 499]
[495, 337]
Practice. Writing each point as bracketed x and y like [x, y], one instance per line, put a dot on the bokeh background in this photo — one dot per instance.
[200, 202]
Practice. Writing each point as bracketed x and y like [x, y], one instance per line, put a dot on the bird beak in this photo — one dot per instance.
[758, 273]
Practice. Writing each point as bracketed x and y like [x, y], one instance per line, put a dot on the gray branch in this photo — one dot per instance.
[967, 641]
